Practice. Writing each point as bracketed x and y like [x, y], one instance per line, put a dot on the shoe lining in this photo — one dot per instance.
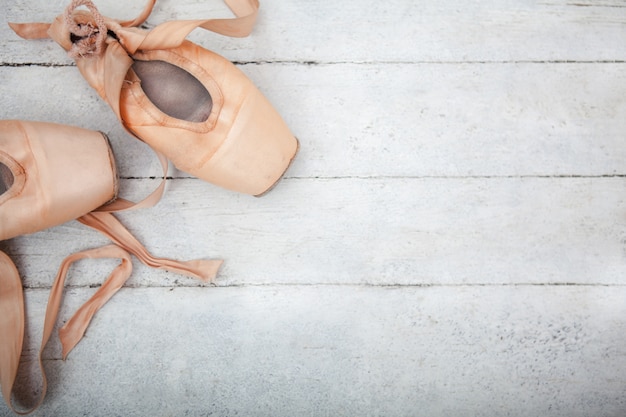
[174, 91]
[6, 178]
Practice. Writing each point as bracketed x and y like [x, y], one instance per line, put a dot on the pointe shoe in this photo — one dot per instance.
[50, 174]
[186, 102]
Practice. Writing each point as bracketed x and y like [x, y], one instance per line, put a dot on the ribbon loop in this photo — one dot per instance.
[88, 40]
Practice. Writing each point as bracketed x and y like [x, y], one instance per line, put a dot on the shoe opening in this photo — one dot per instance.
[174, 91]
[6, 178]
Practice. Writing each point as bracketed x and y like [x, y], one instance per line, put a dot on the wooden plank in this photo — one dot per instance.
[378, 231]
[391, 31]
[394, 120]
[340, 351]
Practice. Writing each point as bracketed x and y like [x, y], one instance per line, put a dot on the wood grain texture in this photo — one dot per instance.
[391, 31]
[423, 120]
[347, 351]
[374, 231]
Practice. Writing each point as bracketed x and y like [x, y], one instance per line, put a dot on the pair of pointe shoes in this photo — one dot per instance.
[190, 105]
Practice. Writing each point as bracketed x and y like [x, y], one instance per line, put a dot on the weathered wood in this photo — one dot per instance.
[341, 351]
[449, 241]
[394, 120]
[390, 31]
[376, 231]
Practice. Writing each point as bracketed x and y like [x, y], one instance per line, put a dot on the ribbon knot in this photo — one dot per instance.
[87, 37]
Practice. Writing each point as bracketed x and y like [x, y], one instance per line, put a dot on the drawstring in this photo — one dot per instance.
[89, 39]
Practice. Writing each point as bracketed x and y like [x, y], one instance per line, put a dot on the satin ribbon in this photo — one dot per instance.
[12, 314]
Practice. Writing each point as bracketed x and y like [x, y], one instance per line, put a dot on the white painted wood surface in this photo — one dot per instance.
[344, 350]
[451, 239]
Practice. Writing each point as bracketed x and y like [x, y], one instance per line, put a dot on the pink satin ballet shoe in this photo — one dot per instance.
[50, 174]
[186, 102]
